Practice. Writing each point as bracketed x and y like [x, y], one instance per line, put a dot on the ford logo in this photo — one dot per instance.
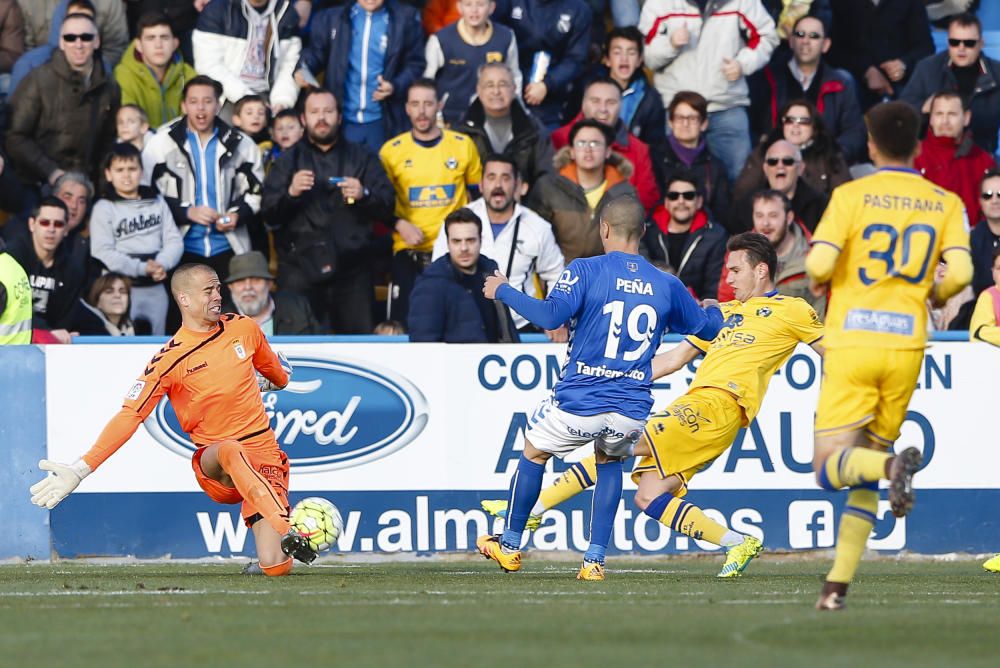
[333, 415]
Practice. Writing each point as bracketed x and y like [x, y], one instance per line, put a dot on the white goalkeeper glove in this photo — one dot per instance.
[266, 385]
[59, 483]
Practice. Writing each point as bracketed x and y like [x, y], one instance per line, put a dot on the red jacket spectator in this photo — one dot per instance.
[631, 148]
[955, 165]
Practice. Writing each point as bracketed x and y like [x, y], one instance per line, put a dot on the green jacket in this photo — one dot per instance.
[140, 87]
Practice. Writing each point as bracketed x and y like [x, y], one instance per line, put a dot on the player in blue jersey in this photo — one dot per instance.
[618, 307]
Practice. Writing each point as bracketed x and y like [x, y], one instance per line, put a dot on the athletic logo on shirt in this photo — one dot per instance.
[494, 57]
[564, 23]
[333, 33]
[763, 312]
[451, 163]
[517, 13]
[240, 351]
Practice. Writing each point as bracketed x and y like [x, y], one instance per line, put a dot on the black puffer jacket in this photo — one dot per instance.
[59, 122]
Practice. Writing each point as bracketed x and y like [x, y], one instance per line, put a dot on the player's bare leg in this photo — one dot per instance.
[657, 498]
[524, 488]
[226, 463]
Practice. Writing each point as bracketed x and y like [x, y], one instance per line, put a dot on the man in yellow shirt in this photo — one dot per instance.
[876, 248]
[432, 171]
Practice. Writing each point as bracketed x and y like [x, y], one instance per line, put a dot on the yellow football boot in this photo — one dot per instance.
[489, 547]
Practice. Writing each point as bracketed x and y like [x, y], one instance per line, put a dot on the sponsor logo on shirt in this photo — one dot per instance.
[432, 196]
[884, 322]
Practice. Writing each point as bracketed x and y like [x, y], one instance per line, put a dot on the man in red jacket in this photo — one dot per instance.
[948, 156]
[602, 101]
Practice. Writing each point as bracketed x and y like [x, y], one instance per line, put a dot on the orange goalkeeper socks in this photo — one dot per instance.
[253, 487]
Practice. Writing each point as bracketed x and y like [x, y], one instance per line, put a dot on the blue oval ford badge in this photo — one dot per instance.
[333, 415]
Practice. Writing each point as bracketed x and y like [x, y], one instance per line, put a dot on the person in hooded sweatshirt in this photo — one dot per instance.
[948, 156]
[132, 232]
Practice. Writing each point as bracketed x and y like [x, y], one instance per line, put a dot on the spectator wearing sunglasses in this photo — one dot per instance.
[824, 165]
[57, 274]
[682, 238]
[985, 237]
[805, 75]
[947, 155]
[782, 167]
[42, 24]
[962, 68]
[63, 113]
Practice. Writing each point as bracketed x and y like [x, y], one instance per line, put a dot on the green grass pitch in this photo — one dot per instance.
[464, 612]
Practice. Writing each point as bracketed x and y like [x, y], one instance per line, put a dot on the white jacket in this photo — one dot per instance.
[537, 251]
[238, 172]
[737, 29]
[220, 49]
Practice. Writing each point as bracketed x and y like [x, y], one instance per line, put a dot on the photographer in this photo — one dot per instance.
[321, 198]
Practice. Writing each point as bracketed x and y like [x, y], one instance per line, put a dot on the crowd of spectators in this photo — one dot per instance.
[359, 166]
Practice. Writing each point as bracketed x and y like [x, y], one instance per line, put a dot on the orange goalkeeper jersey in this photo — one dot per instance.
[210, 381]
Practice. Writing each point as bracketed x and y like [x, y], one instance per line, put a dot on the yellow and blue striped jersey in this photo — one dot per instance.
[891, 229]
[430, 182]
[757, 337]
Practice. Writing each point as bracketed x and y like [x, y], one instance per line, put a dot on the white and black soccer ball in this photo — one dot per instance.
[319, 521]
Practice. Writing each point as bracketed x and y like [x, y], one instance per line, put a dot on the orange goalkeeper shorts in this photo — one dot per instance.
[270, 463]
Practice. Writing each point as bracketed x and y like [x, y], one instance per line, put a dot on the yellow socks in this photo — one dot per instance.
[689, 520]
[852, 467]
[577, 478]
[855, 526]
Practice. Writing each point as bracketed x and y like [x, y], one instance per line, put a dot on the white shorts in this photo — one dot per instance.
[559, 433]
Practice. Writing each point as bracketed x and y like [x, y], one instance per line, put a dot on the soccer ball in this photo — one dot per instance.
[318, 520]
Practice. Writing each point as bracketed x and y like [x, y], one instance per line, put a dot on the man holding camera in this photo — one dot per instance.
[321, 198]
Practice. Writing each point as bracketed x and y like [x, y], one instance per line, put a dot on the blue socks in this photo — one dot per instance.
[524, 489]
[607, 494]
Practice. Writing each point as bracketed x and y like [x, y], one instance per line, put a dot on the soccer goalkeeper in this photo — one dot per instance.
[209, 371]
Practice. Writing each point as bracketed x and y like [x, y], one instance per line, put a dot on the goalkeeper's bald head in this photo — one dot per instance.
[189, 277]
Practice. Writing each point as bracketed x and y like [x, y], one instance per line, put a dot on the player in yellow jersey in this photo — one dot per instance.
[432, 170]
[876, 249]
[762, 330]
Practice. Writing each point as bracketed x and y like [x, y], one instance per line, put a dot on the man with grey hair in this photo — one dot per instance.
[783, 169]
[498, 123]
[250, 283]
[76, 192]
